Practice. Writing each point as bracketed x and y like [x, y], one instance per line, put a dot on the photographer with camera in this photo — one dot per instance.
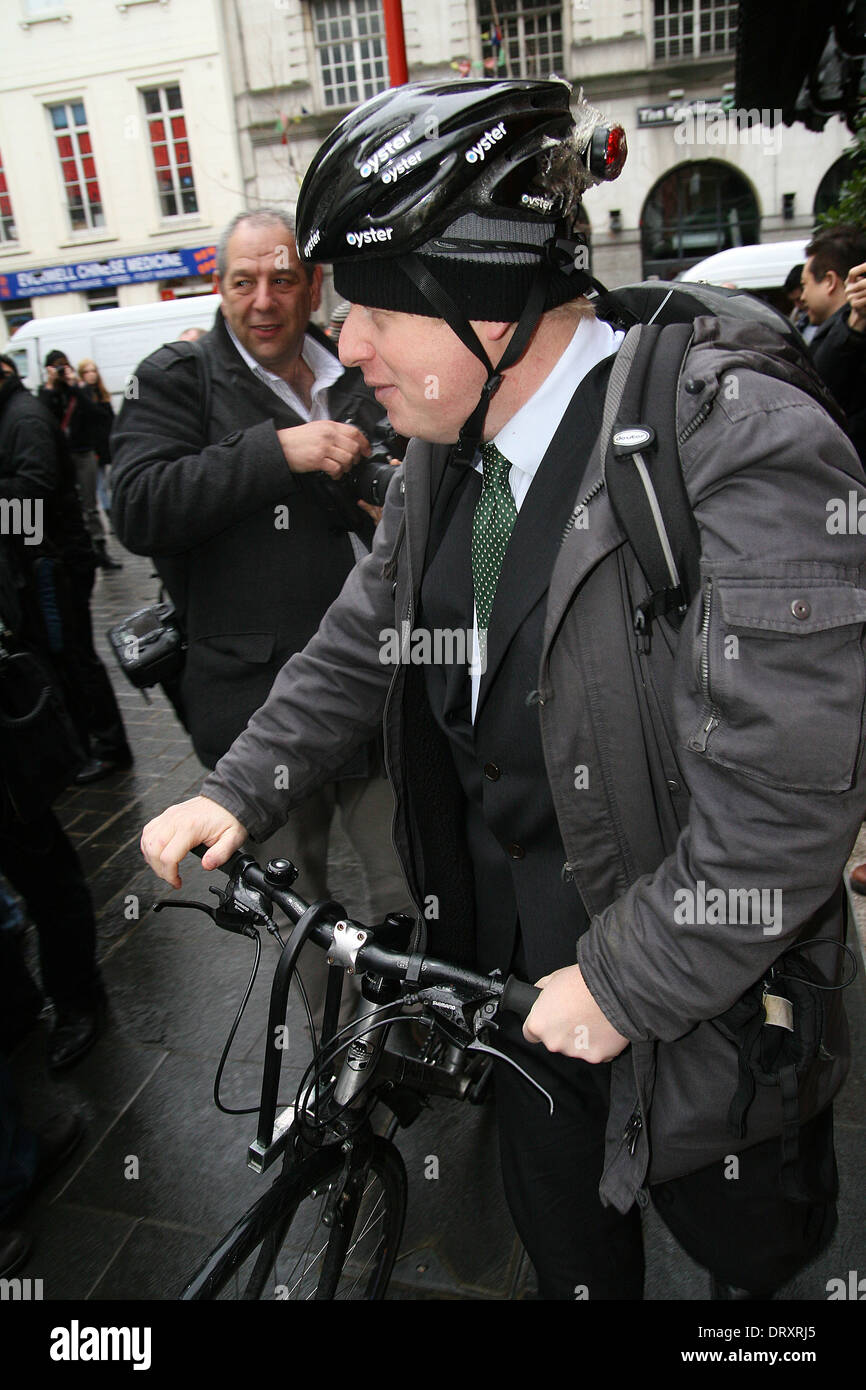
[230, 466]
[80, 419]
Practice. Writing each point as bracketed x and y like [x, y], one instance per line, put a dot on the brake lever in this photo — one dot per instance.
[237, 922]
[484, 1019]
[477, 1046]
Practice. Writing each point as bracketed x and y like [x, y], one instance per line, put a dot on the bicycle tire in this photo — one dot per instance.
[280, 1250]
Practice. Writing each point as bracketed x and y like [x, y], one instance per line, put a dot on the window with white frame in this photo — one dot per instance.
[521, 38]
[77, 165]
[43, 9]
[169, 145]
[8, 231]
[350, 41]
[694, 28]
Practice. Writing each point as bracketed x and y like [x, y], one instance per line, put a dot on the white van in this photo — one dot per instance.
[762, 267]
[116, 339]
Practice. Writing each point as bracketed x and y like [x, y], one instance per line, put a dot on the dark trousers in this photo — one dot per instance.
[41, 864]
[92, 692]
[64, 597]
[551, 1168]
[742, 1230]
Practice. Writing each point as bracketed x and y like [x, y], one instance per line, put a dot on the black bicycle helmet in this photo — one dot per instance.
[457, 200]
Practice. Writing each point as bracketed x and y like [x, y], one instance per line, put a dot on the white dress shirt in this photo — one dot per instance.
[326, 369]
[524, 440]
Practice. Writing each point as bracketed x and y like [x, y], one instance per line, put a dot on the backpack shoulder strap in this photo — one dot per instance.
[644, 477]
[180, 351]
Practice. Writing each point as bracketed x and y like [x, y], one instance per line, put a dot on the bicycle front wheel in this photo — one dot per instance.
[315, 1235]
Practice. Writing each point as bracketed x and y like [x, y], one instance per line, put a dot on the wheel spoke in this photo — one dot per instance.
[325, 1262]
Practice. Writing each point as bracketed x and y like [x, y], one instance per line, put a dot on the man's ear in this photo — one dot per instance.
[490, 330]
[217, 287]
[316, 288]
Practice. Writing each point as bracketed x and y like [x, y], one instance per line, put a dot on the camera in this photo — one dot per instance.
[370, 477]
[368, 480]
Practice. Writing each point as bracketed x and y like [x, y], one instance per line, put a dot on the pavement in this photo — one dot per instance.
[162, 1174]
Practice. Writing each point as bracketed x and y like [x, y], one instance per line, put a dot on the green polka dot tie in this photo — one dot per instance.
[495, 515]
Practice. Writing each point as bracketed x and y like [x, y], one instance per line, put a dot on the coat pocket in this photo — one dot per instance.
[252, 647]
[782, 675]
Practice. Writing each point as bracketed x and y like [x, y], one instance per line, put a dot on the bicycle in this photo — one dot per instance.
[330, 1225]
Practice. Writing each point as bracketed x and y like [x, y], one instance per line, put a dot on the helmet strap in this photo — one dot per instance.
[438, 299]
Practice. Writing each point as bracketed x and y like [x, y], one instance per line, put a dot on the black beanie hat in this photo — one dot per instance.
[486, 265]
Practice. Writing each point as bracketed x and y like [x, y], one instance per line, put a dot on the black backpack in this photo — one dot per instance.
[648, 495]
[642, 460]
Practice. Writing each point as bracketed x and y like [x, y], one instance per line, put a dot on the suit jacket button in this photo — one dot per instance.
[516, 851]
[491, 772]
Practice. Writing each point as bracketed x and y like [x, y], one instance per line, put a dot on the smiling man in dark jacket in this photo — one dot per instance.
[220, 456]
[643, 830]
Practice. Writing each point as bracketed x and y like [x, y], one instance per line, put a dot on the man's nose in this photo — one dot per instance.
[351, 347]
[264, 294]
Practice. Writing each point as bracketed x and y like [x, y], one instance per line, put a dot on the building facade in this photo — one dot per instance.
[700, 176]
[120, 160]
[132, 131]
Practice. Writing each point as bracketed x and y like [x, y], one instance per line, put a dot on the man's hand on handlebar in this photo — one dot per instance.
[566, 1019]
[165, 840]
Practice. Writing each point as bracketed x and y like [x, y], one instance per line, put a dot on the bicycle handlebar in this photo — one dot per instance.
[514, 995]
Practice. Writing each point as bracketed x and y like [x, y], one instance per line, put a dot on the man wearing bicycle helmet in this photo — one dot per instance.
[536, 805]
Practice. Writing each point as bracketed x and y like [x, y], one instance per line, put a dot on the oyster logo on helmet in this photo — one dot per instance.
[385, 153]
[359, 239]
[313, 241]
[487, 141]
[393, 172]
[539, 202]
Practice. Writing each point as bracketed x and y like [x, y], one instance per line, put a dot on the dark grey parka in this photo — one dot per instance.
[727, 761]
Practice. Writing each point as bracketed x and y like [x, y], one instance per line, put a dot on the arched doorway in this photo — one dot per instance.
[828, 189]
[693, 211]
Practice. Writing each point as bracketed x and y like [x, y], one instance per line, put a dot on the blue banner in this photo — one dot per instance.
[119, 270]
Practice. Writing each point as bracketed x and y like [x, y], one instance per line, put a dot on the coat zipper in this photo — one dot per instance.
[698, 741]
[596, 488]
[695, 424]
[631, 1133]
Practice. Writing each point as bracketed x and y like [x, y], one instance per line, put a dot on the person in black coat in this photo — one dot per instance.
[225, 457]
[36, 856]
[103, 420]
[834, 293]
[36, 467]
[81, 420]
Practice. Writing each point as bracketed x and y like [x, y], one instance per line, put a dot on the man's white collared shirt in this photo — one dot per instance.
[326, 369]
[524, 440]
